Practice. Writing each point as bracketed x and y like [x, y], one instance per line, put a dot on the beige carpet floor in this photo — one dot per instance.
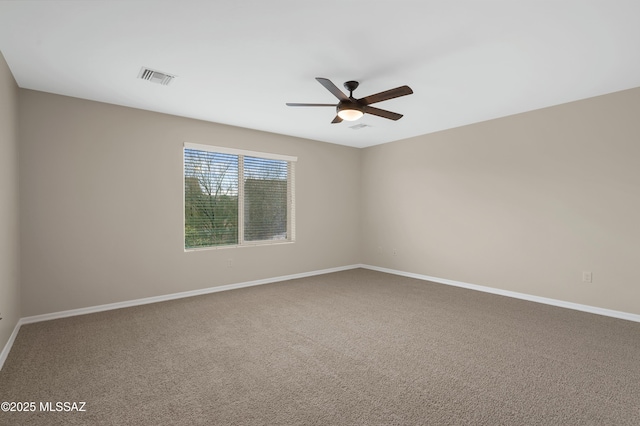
[350, 348]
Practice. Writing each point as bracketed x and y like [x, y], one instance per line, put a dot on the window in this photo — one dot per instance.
[235, 198]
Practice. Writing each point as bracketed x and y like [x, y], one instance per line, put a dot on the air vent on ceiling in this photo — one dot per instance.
[155, 76]
[359, 126]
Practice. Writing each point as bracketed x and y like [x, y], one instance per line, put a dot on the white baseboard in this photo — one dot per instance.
[163, 298]
[5, 352]
[155, 299]
[516, 295]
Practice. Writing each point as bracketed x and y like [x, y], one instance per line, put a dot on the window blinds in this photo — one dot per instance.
[234, 197]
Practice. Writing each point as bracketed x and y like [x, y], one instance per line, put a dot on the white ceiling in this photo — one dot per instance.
[238, 62]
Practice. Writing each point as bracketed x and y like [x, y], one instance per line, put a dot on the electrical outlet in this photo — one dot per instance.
[587, 276]
[229, 263]
[395, 252]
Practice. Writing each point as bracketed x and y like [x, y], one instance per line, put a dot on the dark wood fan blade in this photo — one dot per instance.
[386, 95]
[337, 120]
[382, 113]
[332, 88]
[314, 105]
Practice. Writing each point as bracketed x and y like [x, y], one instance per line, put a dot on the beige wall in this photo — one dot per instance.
[101, 205]
[9, 247]
[523, 203]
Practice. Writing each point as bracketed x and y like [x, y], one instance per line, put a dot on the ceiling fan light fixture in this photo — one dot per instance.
[349, 113]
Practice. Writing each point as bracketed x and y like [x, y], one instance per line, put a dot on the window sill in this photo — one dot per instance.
[255, 244]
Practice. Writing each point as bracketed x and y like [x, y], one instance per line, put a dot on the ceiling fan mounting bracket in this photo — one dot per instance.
[351, 86]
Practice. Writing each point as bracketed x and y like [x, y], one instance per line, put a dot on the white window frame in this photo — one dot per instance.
[291, 228]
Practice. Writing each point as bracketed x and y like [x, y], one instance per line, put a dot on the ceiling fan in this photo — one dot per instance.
[351, 109]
